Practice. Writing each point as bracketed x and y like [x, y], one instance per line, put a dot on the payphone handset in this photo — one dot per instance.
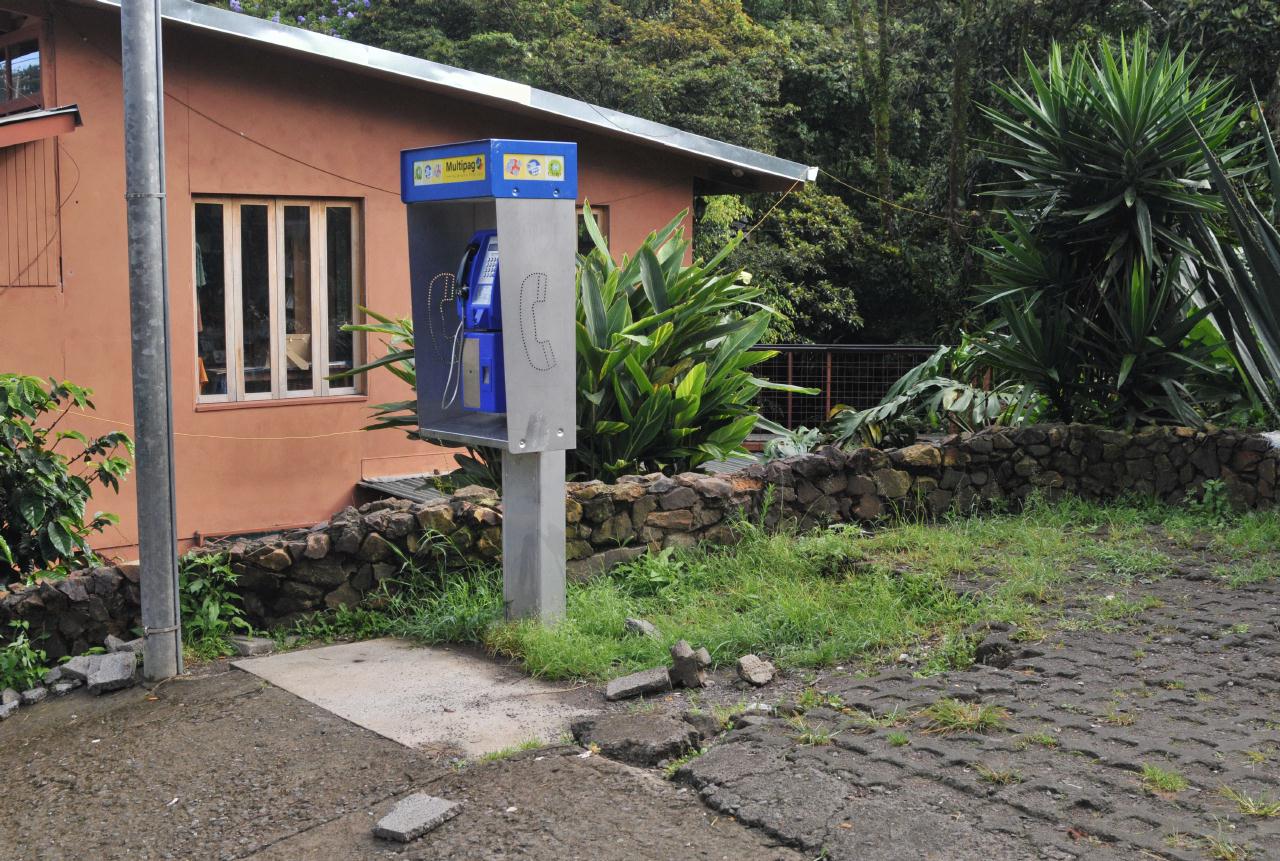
[479, 299]
[476, 366]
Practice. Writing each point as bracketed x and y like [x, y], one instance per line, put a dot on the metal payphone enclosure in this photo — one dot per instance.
[527, 191]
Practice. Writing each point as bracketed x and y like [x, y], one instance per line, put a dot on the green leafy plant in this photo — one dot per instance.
[786, 442]
[664, 350]
[44, 490]
[21, 664]
[935, 394]
[477, 465]
[211, 610]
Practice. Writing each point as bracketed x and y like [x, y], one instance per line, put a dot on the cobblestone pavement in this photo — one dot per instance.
[1182, 675]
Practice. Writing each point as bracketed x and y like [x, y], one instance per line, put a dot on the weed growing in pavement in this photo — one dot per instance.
[898, 739]
[1221, 849]
[1158, 781]
[812, 698]
[674, 765]
[947, 716]
[1261, 807]
[1114, 717]
[864, 721]
[810, 735]
[1127, 561]
[1240, 575]
[1043, 739]
[998, 777]
[508, 752]
[724, 715]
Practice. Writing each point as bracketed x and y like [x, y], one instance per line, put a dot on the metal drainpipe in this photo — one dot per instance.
[143, 65]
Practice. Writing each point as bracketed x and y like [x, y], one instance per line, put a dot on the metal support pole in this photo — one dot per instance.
[533, 558]
[143, 65]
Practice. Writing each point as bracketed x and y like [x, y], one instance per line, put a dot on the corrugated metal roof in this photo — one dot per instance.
[28, 116]
[415, 487]
[738, 162]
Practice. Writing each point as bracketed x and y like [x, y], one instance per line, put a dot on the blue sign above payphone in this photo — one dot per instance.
[490, 168]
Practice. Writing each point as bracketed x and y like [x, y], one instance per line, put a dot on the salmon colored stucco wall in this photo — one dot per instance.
[321, 121]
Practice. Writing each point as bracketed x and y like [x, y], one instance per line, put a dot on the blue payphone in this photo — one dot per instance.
[477, 171]
[479, 300]
[491, 232]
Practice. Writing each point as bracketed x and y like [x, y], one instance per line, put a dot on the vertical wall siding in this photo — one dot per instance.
[29, 247]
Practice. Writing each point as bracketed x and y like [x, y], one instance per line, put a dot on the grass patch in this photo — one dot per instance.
[948, 716]
[1159, 781]
[898, 739]
[834, 596]
[770, 593]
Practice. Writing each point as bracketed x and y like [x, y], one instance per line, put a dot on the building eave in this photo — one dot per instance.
[731, 165]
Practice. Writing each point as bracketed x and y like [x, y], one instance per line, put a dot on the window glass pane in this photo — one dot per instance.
[601, 214]
[211, 323]
[341, 298]
[297, 297]
[24, 71]
[255, 298]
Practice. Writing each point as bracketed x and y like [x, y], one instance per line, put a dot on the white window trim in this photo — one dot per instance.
[234, 305]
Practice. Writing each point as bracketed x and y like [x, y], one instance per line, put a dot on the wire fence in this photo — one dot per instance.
[853, 375]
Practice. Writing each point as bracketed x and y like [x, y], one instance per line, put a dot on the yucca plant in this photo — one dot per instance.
[664, 351]
[1242, 276]
[1093, 279]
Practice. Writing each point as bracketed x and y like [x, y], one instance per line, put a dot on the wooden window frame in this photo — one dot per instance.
[233, 292]
[34, 30]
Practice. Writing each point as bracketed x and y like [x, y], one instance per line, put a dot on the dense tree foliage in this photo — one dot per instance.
[880, 93]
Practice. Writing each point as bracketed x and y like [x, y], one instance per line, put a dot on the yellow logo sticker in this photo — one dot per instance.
[438, 171]
[545, 168]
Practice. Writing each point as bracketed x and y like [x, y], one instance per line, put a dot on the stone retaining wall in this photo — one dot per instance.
[335, 563]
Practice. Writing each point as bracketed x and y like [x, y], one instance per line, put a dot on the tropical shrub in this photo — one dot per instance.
[44, 491]
[663, 356]
[663, 350]
[1093, 279]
